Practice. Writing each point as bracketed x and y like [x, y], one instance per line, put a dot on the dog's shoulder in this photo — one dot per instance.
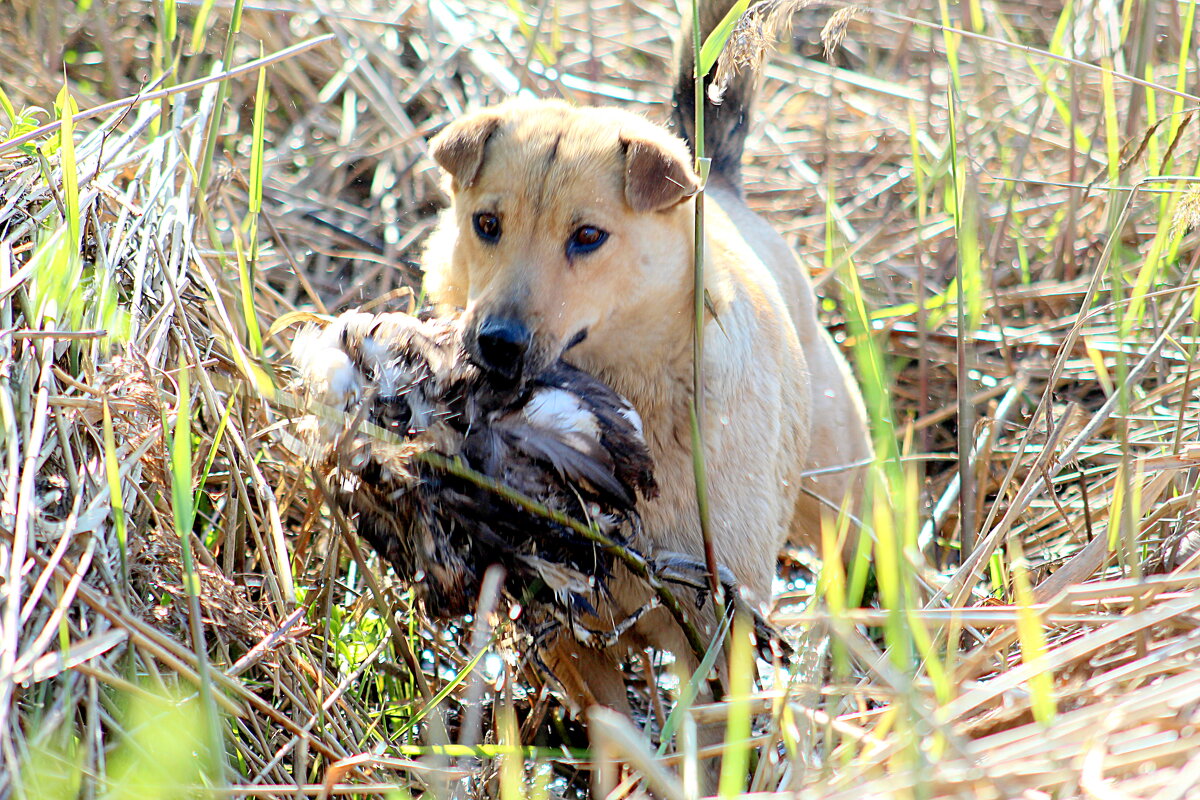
[760, 256]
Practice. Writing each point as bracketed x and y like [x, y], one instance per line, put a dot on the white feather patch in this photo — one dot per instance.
[375, 353]
[324, 367]
[633, 418]
[559, 410]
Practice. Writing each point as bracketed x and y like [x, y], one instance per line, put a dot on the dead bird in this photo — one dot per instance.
[397, 400]
[435, 461]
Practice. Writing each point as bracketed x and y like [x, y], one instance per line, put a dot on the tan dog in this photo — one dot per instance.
[572, 230]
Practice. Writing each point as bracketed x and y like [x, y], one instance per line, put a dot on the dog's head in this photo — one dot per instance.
[571, 223]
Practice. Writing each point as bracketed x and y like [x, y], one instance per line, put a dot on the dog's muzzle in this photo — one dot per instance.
[501, 347]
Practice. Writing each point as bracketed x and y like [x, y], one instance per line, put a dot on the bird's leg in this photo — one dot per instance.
[599, 639]
[543, 633]
[685, 570]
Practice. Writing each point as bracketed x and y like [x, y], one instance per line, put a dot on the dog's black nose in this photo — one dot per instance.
[502, 345]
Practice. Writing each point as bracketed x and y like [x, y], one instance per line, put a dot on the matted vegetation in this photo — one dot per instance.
[996, 201]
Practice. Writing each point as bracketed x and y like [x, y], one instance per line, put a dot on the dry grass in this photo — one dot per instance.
[1058, 659]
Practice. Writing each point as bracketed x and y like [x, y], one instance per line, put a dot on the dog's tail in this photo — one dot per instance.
[725, 125]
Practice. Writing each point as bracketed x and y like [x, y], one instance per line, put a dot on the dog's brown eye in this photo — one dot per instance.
[487, 226]
[585, 239]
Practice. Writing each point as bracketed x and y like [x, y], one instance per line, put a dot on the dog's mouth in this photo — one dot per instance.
[512, 377]
[576, 339]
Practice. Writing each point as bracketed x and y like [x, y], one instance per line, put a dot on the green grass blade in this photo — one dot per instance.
[248, 267]
[1185, 50]
[216, 447]
[952, 41]
[696, 406]
[512, 764]
[710, 51]
[869, 360]
[690, 689]
[113, 476]
[165, 750]
[181, 480]
[445, 691]
[184, 515]
[7, 106]
[735, 761]
[1059, 39]
[258, 142]
[170, 20]
[214, 122]
[1032, 637]
[1112, 125]
[200, 26]
[67, 109]
[493, 751]
[246, 286]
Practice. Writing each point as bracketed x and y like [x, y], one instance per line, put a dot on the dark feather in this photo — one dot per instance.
[594, 466]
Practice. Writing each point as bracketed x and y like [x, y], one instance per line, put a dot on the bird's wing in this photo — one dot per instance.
[574, 458]
[617, 424]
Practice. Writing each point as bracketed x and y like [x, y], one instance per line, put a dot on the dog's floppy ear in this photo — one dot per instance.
[458, 149]
[657, 176]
